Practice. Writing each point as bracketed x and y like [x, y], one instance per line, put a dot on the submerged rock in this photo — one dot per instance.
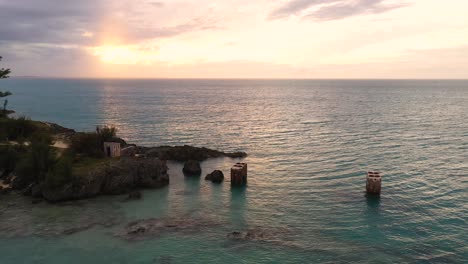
[216, 176]
[276, 235]
[248, 235]
[192, 167]
[152, 227]
[136, 195]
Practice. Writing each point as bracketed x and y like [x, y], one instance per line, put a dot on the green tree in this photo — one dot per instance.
[3, 75]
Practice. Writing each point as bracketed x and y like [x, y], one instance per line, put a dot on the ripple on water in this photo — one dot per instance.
[309, 143]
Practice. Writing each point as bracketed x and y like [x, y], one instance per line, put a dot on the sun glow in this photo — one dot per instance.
[125, 54]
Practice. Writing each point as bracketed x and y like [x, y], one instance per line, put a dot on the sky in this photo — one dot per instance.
[421, 39]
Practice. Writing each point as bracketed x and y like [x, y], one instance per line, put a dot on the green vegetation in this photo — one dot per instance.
[92, 144]
[35, 162]
[39, 159]
[18, 129]
[60, 174]
[9, 157]
[27, 152]
[4, 74]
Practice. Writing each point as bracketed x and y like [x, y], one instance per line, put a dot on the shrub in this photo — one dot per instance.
[106, 133]
[88, 144]
[9, 157]
[38, 161]
[60, 174]
[92, 144]
[16, 128]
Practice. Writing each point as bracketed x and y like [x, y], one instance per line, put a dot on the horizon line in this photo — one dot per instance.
[229, 78]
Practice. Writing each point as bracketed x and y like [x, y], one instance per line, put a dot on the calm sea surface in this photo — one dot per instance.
[309, 142]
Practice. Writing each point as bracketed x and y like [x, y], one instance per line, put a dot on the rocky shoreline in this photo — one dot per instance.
[139, 168]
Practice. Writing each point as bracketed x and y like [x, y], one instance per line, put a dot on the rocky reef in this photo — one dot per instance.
[185, 153]
[153, 227]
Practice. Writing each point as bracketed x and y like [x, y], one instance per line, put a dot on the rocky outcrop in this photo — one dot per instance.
[185, 153]
[192, 168]
[129, 151]
[216, 176]
[114, 178]
[57, 129]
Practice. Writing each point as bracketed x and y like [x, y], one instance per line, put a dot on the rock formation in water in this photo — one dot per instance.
[216, 176]
[185, 153]
[192, 168]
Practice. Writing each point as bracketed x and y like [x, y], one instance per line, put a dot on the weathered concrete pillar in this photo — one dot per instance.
[374, 182]
[239, 174]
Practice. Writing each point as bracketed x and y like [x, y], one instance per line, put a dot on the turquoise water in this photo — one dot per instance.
[309, 143]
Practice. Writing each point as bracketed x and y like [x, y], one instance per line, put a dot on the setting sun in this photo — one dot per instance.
[125, 54]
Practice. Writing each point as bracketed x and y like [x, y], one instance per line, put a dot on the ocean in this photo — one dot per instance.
[310, 143]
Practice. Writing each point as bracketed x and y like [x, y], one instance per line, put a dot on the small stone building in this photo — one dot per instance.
[112, 149]
[239, 174]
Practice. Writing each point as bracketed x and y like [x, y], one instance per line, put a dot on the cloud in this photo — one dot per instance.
[294, 7]
[156, 4]
[344, 10]
[47, 21]
[64, 32]
[323, 10]
[56, 22]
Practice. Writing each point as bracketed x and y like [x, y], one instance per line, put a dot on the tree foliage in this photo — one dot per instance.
[60, 174]
[92, 144]
[17, 129]
[4, 72]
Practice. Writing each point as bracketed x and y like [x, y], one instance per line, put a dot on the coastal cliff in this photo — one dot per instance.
[115, 177]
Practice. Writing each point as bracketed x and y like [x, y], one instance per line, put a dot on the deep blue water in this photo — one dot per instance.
[309, 142]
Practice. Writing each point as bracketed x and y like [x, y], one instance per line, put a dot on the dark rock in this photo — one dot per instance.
[185, 153]
[235, 235]
[122, 142]
[28, 190]
[248, 235]
[57, 129]
[36, 191]
[274, 235]
[192, 167]
[216, 176]
[4, 190]
[153, 227]
[20, 183]
[36, 201]
[136, 195]
[129, 151]
[73, 230]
